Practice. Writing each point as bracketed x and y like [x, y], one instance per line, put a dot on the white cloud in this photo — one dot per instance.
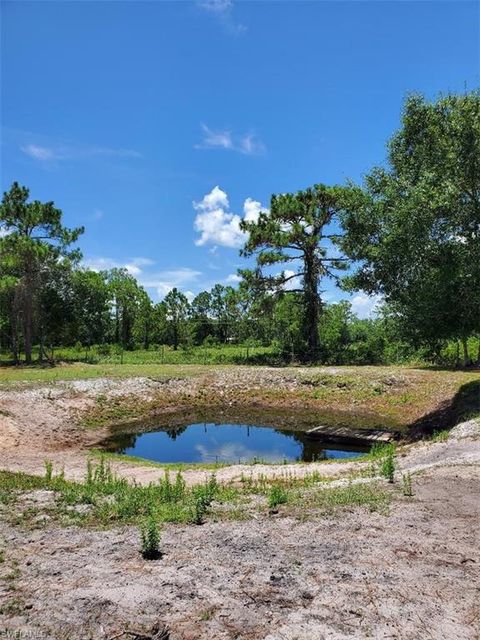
[216, 6]
[53, 153]
[165, 281]
[252, 209]
[364, 306]
[39, 153]
[215, 222]
[233, 278]
[134, 266]
[3, 231]
[222, 139]
[222, 11]
[294, 283]
[248, 143]
[161, 281]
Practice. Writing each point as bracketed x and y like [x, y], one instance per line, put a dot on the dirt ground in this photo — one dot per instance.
[45, 421]
[411, 574]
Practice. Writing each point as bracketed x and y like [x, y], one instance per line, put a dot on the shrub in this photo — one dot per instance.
[276, 496]
[407, 484]
[150, 539]
[387, 467]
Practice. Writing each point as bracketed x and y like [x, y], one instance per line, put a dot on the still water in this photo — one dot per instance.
[210, 442]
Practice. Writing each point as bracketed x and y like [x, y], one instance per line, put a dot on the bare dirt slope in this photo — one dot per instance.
[412, 574]
[46, 421]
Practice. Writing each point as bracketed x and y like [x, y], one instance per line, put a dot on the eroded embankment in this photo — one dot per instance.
[61, 421]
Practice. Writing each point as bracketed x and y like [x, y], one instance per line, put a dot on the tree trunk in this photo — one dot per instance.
[41, 351]
[466, 358]
[312, 305]
[117, 323]
[28, 319]
[175, 336]
[14, 327]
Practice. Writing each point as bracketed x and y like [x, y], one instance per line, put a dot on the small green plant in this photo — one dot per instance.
[387, 467]
[407, 484]
[48, 470]
[276, 496]
[200, 507]
[150, 539]
[440, 436]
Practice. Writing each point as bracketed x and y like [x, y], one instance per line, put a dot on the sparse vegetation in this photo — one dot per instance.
[276, 496]
[104, 499]
[387, 466]
[407, 484]
[48, 470]
[150, 534]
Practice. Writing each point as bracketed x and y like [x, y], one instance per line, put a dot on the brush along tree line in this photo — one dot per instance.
[409, 233]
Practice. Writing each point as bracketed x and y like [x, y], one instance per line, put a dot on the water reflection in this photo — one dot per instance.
[227, 442]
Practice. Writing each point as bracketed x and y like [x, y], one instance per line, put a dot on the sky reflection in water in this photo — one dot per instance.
[230, 443]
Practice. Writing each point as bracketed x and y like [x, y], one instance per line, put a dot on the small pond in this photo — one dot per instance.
[227, 441]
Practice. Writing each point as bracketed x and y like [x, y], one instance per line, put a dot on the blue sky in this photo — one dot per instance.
[129, 114]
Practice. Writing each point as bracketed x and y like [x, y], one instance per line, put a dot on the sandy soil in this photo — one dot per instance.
[412, 574]
[44, 422]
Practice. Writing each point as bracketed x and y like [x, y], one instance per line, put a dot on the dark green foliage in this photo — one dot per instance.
[415, 226]
[297, 229]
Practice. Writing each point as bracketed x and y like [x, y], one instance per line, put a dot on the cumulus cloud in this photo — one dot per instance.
[140, 268]
[294, 282]
[215, 222]
[233, 278]
[364, 306]
[164, 281]
[134, 266]
[247, 143]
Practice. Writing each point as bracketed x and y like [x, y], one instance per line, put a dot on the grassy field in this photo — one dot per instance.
[159, 354]
[82, 370]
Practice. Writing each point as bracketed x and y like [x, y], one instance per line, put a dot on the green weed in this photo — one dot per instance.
[407, 484]
[276, 496]
[150, 534]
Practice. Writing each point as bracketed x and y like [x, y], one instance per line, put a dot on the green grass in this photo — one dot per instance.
[82, 371]
[371, 496]
[160, 355]
[440, 436]
[143, 462]
[104, 499]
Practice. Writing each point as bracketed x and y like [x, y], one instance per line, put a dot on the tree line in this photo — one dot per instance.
[410, 233]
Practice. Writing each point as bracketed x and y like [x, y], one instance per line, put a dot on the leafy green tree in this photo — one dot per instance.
[35, 238]
[91, 298]
[127, 296]
[415, 225]
[298, 231]
[201, 317]
[144, 319]
[177, 311]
